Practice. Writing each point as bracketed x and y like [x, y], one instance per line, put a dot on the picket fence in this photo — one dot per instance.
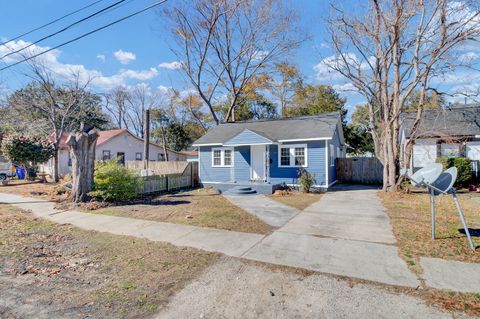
[170, 180]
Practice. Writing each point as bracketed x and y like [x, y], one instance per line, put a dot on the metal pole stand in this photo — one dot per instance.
[432, 204]
[467, 232]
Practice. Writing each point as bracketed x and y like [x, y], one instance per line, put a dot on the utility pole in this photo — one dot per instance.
[146, 140]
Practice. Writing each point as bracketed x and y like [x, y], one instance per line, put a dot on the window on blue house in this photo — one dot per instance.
[222, 157]
[299, 156]
[227, 157]
[293, 156]
[285, 157]
[217, 158]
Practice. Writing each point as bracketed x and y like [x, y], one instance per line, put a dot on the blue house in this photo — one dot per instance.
[265, 154]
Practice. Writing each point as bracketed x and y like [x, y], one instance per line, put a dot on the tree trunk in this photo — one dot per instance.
[164, 142]
[56, 175]
[146, 140]
[82, 149]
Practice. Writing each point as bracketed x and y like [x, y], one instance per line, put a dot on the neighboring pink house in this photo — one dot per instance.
[118, 144]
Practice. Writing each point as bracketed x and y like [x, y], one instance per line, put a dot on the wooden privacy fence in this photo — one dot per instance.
[159, 168]
[359, 170]
[159, 183]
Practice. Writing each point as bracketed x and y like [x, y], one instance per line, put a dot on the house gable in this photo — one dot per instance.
[248, 137]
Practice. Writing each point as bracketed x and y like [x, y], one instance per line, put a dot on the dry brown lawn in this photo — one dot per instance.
[200, 207]
[410, 216]
[411, 220]
[28, 188]
[297, 199]
[49, 270]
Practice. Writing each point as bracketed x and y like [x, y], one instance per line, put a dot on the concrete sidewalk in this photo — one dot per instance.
[270, 211]
[359, 256]
[227, 242]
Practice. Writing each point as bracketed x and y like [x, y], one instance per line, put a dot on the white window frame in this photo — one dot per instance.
[332, 154]
[137, 158]
[291, 151]
[222, 156]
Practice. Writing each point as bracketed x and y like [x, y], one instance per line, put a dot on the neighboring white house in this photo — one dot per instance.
[118, 144]
[451, 132]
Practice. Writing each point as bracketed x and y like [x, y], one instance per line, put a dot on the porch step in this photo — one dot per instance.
[240, 190]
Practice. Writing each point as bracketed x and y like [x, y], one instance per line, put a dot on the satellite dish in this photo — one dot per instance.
[432, 178]
[445, 181]
[426, 175]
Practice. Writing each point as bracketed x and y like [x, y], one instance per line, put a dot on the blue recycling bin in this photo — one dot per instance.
[20, 172]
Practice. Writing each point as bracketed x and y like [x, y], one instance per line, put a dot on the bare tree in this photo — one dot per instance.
[140, 98]
[224, 43]
[284, 88]
[57, 105]
[393, 49]
[116, 105]
[127, 106]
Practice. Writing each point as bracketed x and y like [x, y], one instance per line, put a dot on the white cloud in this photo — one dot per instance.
[64, 71]
[468, 57]
[345, 87]
[124, 57]
[170, 65]
[259, 55]
[101, 57]
[324, 69]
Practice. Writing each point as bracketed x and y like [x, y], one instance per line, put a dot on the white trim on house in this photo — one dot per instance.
[334, 182]
[222, 156]
[270, 143]
[332, 154]
[327, 168]
[305, 139]
[207, 144]
[199, 164]
[291, 151]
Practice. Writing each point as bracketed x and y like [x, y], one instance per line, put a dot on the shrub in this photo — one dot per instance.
[464, 167]
[446, 161]
[112, 181]
[306, 180]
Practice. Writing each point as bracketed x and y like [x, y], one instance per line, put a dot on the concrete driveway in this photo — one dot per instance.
[346, 233]
[348, 212]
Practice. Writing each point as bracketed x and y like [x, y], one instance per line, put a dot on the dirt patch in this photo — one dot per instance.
[239, 289]
[46, 191]
[201, 207]
[296, 199]
[58, 271]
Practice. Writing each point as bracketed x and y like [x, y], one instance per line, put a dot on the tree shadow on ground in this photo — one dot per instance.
[149, 202]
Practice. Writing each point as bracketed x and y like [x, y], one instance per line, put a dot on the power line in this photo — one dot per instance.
[85, 34]
[51, 22]
[63, 29]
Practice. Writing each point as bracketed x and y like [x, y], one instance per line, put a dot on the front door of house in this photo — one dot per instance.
[257, 153]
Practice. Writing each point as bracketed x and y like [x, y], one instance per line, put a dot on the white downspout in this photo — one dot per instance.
[327, 166]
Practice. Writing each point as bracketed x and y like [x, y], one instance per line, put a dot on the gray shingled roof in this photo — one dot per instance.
[305, 127]
[451, 122]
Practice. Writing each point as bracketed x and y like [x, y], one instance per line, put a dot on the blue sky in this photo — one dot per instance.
[137, 50]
